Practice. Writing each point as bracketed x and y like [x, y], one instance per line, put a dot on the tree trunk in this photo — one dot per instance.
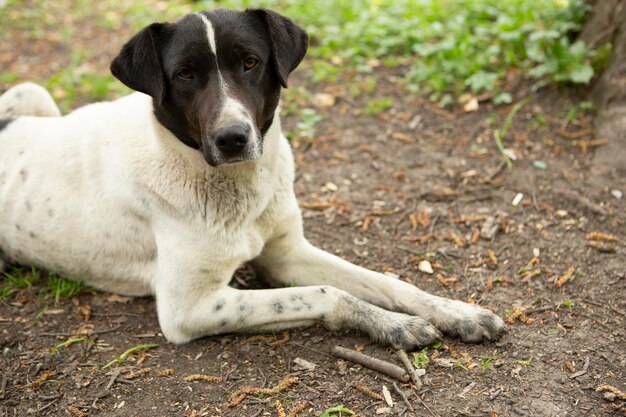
[607, 23]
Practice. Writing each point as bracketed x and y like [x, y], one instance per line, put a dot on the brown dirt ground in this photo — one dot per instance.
[389, 170]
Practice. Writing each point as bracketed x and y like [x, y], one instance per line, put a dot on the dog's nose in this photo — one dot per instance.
[232, 139]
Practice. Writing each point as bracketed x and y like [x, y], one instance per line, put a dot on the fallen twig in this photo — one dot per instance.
[401, 354]
[113, 378]
[3, 385]
[381, 366]
[404, 398]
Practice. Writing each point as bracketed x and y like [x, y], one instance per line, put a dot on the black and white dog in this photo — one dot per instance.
[167, 191]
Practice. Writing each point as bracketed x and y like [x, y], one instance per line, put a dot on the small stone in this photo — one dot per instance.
[617, 194]
[518, 199]
[303, 363]
[426, 267]
[330, 186]
[609, 396]
[562, 213]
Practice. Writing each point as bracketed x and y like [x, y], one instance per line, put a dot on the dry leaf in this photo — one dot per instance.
[323, 100]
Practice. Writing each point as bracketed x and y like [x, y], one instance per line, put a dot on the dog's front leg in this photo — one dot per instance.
[292, 260]
[186, 312]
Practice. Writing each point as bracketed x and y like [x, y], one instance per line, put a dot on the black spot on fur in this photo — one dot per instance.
[32, 235]
[243, 307]
[397, 336]
[50, 213]
[23, 174]
[322, 290]
[223, 323]
[4, 123]
[278, 306]
[219, 305]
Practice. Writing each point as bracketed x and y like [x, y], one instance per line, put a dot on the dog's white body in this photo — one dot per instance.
[101, 212]
[109, 196]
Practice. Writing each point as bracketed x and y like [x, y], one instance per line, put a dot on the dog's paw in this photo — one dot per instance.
[386, 327]
[409, 333]
[469, 322]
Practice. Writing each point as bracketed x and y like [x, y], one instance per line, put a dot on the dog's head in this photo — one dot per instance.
[215, 77]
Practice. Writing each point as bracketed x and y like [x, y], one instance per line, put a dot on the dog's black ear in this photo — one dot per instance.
[138, 65]
[289, 42]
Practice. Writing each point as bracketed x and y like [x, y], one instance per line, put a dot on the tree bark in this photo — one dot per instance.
[607, 23]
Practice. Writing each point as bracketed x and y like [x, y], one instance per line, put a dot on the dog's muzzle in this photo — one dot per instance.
[232, 140]
[230, 144]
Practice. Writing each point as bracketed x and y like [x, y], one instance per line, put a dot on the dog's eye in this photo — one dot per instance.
[185, 74]
[250, 63]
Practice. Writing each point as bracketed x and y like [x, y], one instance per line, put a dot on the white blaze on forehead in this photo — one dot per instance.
[232, 111]
[210, 32]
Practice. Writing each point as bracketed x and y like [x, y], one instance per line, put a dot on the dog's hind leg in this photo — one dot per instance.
[292, 260]
[27, 99]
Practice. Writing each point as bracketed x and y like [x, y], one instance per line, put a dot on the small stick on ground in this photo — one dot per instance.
[404, 398]
[3, 385]
[114, 376]
[381, 366]
[409, 367]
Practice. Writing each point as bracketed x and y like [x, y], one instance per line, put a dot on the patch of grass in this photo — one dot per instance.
[450, 46]
[60, 288]
[54, 288]
[486, 363]
[306, 126]
[9, 77]
[379, 105]
[17, 280]
[76, 82]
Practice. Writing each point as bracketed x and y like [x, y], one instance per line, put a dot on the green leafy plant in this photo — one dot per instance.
[337, 411]
[486, 363]
[421, 360]
[306, 126]
[377, 106]
[120, 359]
